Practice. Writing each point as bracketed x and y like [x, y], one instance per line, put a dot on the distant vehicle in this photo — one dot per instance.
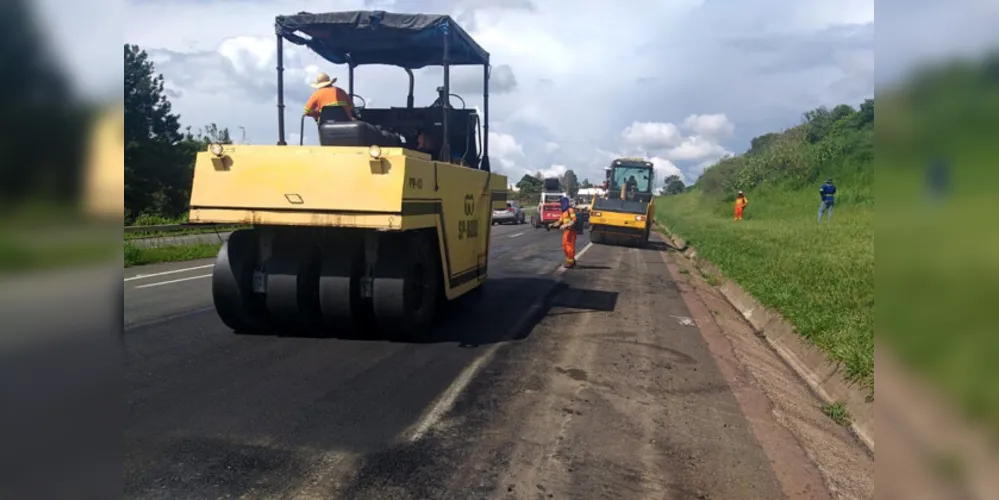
[514, 214]
[626, 211]
[549, 206]
[549, 210]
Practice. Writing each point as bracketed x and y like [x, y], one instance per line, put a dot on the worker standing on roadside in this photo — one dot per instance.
[740, 205]
[828, 193]
[327, 94]
[567, 223]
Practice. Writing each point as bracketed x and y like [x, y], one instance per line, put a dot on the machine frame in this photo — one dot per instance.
[620, 217]
[348, 237]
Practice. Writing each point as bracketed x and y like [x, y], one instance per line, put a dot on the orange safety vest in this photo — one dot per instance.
[567, 216]
[328, 96]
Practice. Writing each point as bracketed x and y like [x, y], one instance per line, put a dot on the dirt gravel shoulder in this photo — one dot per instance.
[636, 384]
[786, 414]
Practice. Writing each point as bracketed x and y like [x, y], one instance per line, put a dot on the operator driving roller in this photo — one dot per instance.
[327, 94]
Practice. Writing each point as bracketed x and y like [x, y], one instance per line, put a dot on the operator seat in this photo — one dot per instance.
[336, 129]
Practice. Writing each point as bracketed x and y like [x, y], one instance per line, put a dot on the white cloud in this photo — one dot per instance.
[507, 155]
[551, 147]
[696, 147]
[666, 168]
[667, 141]
[651, 136]
[716, 125]
[554, 171]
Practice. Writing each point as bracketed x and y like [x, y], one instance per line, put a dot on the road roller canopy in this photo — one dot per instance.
[357, 38]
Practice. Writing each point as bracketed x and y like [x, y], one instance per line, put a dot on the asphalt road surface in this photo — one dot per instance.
[584, 383]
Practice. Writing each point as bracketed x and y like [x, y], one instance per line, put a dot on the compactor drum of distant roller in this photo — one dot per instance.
[625, 213]
[361, 231]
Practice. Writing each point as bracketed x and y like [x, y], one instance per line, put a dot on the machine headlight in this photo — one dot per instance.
[215, 149]
[639, 218]
[594, 214]
[375, 152]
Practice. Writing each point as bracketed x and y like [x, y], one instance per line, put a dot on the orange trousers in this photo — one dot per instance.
[738, 213]
[569, 245]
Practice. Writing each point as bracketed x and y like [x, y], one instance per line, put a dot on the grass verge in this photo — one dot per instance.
[138, 256]
[820, 277]
[182, 232]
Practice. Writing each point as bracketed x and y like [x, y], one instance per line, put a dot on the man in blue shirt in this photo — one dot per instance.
[828, 193]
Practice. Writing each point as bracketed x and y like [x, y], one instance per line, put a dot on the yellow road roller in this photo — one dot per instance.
[626, 212]
[362, 232]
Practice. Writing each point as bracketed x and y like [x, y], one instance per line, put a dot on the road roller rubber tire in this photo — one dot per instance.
[407, 286]
[293, 286]
[343, 309]
[232, 285]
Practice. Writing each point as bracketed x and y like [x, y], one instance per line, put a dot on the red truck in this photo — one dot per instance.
[549, 207]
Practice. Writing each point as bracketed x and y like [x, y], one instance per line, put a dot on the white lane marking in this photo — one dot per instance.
[447, 399]
[515, 235]
[164, 273]
[561, 269]
[189, 278]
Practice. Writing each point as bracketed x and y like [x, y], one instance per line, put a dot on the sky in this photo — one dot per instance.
[574, 83]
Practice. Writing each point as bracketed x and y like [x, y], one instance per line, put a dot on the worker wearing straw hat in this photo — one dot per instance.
[740, 204]
[327, 94]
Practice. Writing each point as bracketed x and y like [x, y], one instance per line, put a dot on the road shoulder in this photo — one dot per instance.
[614, 395]
[786, 415]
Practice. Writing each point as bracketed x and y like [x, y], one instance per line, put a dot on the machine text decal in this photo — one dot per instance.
[469, 205]
[468, 229]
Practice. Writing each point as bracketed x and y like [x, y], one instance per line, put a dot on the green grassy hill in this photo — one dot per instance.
[819, 276]
[938, 276]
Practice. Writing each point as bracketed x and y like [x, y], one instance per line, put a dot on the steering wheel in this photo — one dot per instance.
[437, 102]
[358, 109]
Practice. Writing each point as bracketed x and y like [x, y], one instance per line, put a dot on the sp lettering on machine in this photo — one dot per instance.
[468, 228]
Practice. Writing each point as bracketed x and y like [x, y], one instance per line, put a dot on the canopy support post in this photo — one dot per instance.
[446, 95]
[350, 79]
[412, 81]
[280, 90]
[484, 163]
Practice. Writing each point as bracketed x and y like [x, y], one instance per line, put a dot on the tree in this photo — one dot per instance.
[673, 185]
[529, 184]
[758, 144]
[585, 184]
[151, 133]
[571, 183]
[158, 156]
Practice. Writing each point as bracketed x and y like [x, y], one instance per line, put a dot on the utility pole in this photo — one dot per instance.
[243, 140]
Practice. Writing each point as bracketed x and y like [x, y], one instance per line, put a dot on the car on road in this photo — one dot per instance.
[514, 214]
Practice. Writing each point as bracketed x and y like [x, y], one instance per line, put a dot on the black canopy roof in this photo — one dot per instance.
[377, 37]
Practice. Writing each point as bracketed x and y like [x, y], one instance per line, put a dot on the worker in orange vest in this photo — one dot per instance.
[567, 223]
[327, 94]
[740, 205]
